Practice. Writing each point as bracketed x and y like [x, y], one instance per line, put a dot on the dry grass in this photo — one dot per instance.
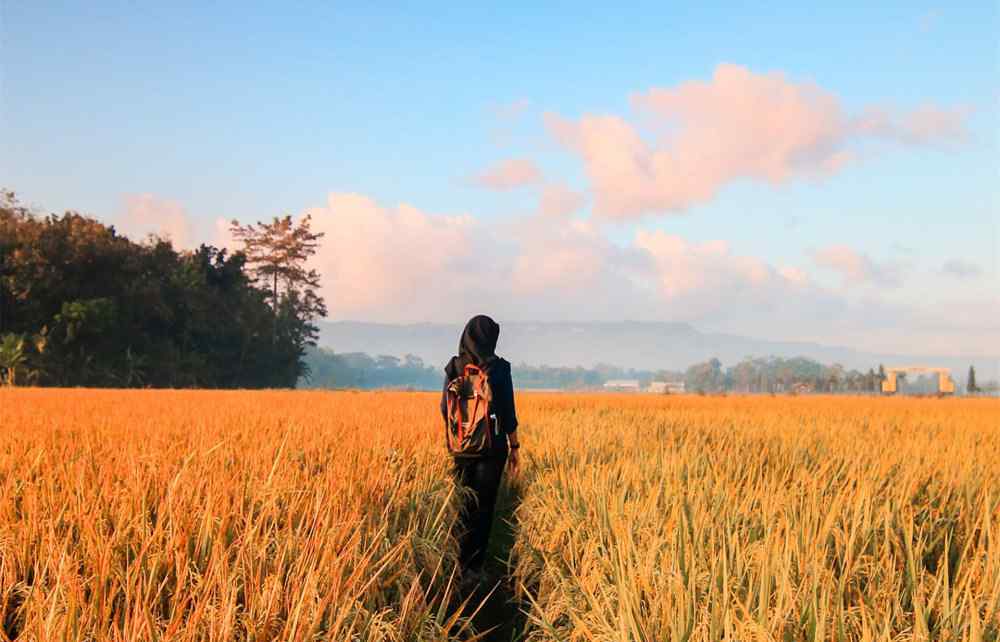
[762, 519]
[222, 516]
[304, 516]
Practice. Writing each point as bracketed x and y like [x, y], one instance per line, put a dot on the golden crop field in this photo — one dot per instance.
[175, 515]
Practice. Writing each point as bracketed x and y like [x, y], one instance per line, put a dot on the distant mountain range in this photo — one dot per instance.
[627, 344]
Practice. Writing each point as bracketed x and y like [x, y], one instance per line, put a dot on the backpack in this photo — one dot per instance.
[470, 423]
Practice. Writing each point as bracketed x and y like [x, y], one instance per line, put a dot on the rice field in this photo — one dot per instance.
[203, 515]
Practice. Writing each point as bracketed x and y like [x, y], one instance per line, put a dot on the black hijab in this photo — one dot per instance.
[478, 344]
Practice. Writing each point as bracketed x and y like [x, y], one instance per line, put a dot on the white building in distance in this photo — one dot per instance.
[622, 385]
[666, 387]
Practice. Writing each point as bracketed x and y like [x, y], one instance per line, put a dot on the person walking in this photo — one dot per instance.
[477, 405]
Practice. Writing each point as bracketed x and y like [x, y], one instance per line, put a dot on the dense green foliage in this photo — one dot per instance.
[81, 305]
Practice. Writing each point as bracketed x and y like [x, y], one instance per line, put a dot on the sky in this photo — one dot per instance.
[783, 171]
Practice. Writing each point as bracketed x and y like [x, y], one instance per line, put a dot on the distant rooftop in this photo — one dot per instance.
[621, 383]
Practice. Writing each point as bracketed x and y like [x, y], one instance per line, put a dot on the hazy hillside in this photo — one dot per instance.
[627, 344]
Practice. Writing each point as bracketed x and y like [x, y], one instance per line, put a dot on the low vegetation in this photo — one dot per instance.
[758, 518]
[187, 515]
[222, 516]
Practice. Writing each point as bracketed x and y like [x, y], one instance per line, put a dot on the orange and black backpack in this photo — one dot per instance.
[470, 423]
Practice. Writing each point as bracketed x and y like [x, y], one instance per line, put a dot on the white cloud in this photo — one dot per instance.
[738, 125]
[394, 263]
[558, 200]
[558, 257]
[794, 275]
[147, 214]
[857, 267]
[403, 264]
[223, 235]
[509, 174]
[924, 125]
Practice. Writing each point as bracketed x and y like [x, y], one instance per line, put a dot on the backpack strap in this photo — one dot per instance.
[480, 395]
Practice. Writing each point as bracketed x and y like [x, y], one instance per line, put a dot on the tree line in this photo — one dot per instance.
[82, 305]
[579, 378]
[359, 370]
[802, 375]
[752, 375]
[329, 369]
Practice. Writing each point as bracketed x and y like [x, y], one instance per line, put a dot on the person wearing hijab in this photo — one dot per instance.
[483, 474]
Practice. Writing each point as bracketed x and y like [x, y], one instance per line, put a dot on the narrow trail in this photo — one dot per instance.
[502, 613]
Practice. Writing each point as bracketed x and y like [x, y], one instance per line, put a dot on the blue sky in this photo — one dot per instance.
[190, 114]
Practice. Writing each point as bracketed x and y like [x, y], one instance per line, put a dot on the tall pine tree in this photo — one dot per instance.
[277, 253]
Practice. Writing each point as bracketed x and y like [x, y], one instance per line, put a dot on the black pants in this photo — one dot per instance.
[476, 518]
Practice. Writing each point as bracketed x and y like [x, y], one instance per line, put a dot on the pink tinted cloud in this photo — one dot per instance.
[403, 264]
[224, 238]
[928, 124]
[376, 257]
[795, 276]
[557, 200]
[856, 267]
[710, 271]
[925, 125]
[557, 256]
[738, 125]
[509, 174]
[147, 214]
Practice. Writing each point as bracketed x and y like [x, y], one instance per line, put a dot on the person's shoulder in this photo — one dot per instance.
[500, 365]
[451, 368]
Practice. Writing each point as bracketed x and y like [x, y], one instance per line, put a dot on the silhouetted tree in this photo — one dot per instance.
[88, 307]
[277, 253]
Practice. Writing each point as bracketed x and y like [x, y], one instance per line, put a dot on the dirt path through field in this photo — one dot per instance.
[502, 613]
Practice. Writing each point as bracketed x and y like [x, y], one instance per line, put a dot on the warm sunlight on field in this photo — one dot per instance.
[762, 518]
[306, 515]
